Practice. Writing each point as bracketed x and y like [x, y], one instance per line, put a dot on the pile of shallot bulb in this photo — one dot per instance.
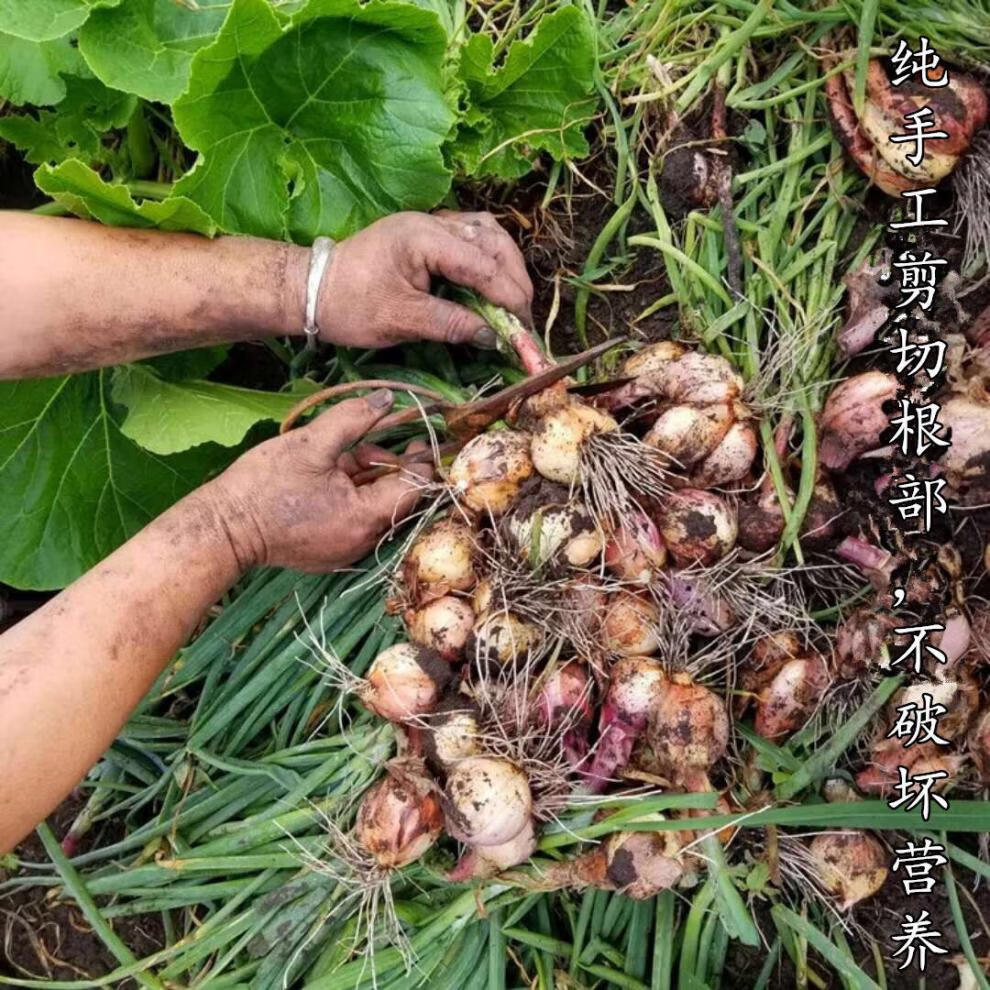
[556, 625]
[960, 110]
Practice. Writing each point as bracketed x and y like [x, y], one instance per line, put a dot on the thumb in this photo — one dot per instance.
[346, 423]
[451, 323]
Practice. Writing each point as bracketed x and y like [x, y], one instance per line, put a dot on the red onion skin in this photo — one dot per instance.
[876, 563]
[857, 144]
[853, 419]
[614, 748]
[566, 699]
[709, 614]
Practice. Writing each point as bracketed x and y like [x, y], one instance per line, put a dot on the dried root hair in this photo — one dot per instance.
[971, 182]
[621, 475]
[368, 901]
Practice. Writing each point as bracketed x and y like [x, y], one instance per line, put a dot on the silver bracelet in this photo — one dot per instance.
[319, 257]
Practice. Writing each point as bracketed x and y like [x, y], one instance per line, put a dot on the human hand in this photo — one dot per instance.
[290, 502]
[376, 291]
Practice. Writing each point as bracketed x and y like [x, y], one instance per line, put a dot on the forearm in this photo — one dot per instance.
[71, 673]
[76, 295]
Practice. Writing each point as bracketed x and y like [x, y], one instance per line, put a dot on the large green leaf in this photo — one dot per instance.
[146, 46]
[321, 126]
[166, 417]
[31, 71]
[537, 99]
[44, 20]
[79, 189]
[73, 486]
[75, 128]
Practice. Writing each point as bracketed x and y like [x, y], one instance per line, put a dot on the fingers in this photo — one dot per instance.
[392, 497]
[485, 231]
[341, 427]
[369, 455]
[432, 318]
[484, 258]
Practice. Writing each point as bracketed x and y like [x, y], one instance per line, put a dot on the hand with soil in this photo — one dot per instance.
[376, 290]
[290, 502]
[73, 671]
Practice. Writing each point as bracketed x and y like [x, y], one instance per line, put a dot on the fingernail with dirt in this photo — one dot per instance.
[380, 399]
[485, 338]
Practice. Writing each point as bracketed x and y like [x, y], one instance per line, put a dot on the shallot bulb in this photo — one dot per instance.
[487, 801]
[960, 697]
[452, 733]
[702, 379]
[650, 366]
[854, 419]
[489, 470]
[966, 461]
[565, 695]
[503, 637]
[959, 110]
[851, 864]
[886, 755]
[632, 693]
[401, 816]
[557, 440]
[697, 527]
[443, 625]
[767, 657]
[404, 681]
[761, 523]
[637, 864]
[688, 434]
[631, 625]
[818, 528]
[635, 552]
[792, 697]
[859, 642]
[440, 561]
[688, 731]
[563, 705]
[700, 609]
[481, 862]
[730, 460]
[544, 534]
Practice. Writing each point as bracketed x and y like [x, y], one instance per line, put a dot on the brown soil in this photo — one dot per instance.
[45, 937]
[556, 242]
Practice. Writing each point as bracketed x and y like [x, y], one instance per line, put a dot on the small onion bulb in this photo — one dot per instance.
[401, 816]
[503, 637]
[635, 551]
[852, 865]
[688, 730]
[487, 801]
[404, 681]
[791, 697]
[698, 527]
[440, 561]
[630, 625]
[557, 440]
[566, 532]
[730, 460]
[443, 625]
[489, 470]
[452, 735]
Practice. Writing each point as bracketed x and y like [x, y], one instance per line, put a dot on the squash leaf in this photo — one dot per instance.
[538, 98]
[146, 47]
[321, 126]
[167, 417]
[75, 486]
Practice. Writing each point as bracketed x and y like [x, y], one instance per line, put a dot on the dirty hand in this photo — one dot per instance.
[376, 291]
[290, 502]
